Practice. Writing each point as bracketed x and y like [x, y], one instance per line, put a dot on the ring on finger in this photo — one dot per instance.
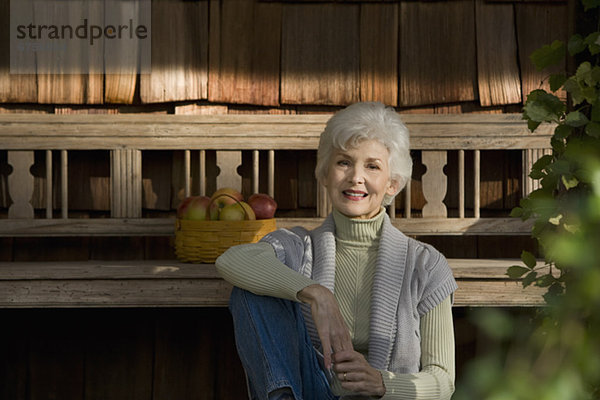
[345, 373]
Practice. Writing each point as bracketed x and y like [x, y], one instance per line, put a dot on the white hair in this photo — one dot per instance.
[364, 121]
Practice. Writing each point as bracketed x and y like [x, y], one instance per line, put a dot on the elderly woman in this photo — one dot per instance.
[353, 308]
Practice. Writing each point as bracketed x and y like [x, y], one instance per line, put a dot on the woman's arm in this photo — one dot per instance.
[256, 268]
[435, 381]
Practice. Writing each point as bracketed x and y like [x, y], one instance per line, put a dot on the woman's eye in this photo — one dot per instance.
[343, 163]
[373, 166]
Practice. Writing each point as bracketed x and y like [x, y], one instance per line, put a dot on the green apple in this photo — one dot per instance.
[237, 212]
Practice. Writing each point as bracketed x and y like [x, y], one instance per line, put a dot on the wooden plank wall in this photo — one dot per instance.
[133, 354]
[145, 354]
[277, 53]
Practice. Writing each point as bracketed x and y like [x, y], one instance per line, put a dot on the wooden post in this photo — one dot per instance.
[187, 168]
[461, 183]
[255, 171]
[271, 173]
[64, 184]
[323, 202]
[126, 183]
[228, 163]
[476, 183]
[49, 210]
[202, 173]
[407, 199]
[20, 184]
[434, 184]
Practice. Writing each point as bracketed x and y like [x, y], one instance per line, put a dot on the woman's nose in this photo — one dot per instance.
[357, 176]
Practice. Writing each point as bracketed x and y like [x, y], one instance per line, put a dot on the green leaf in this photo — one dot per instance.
[576, 119]
[556, 81]
[556, 289]
[558, 145]
[528, 259]
[545, 280]
[549, 55]
[589, 4]
[562, 131]
[569, 181]
[576, 44]
[593, 129]
[571, 228]
[555, 220]
[584, 73]
[560, 167]
[532, 125]
[592, 41]
[596, 73]
[542, 106]
[516, 271]
[574, 88]
[536, 174]
[529, 279]
[516, 212]
[595, 112]
[541, 163]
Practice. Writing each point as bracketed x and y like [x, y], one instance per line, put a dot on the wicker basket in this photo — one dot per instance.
[204, 241]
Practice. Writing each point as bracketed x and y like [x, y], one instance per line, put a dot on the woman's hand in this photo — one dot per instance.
[328, 320]
[356, 374]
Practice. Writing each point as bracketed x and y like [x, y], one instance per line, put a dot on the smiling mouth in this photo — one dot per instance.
[354, 195]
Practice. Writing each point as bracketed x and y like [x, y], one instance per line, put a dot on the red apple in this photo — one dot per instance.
[183, 206]
[221, 198]
[237, 212]
[264, 206]
[194, 208]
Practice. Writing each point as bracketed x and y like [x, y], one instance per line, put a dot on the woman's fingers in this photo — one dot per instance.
[328, 320]
[355, 373]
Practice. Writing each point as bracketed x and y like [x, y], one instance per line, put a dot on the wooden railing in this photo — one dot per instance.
[126, 137]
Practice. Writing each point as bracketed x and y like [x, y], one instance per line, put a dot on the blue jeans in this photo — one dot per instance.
[275, 347]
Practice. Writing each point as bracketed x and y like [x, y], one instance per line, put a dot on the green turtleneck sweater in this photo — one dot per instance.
[356, 245]
[256, 268]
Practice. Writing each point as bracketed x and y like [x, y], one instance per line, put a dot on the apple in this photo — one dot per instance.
[222, 198]
[194, 208]
[183, 206]
[264, 206]
[237, 211]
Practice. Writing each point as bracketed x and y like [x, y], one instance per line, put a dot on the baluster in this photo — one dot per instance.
[20, 184]
[64, 184]
[228, 163]
[323, 201]
[461, 183]
[126, 183]
[407, 199]
[202, 173]
[48, 183]
[187, 169]
[530, 156]
[434, 184]
[271, 174]
[476, 183]
[255, 171]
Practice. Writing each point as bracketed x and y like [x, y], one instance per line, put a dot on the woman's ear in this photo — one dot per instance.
[393, 187]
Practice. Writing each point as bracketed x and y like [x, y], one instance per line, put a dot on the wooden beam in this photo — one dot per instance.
[252, 132]
[173, 284]
[166, 226]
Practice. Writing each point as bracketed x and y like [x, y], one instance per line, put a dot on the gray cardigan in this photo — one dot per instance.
[411, 278]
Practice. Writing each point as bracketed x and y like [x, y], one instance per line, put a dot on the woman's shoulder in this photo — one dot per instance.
[424, 256]
[290, 245]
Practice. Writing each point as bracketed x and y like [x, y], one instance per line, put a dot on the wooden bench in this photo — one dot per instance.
[151, 283]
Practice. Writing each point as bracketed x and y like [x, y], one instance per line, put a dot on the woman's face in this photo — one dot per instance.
[358, 178]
